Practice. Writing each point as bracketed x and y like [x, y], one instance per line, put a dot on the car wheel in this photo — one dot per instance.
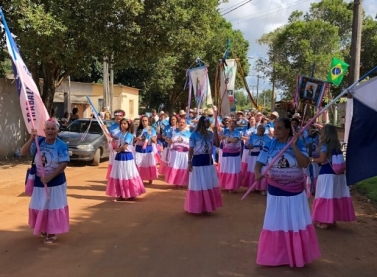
[97, 157]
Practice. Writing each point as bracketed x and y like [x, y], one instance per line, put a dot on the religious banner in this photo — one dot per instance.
[311, 90]
[228, 71]
[199, 84]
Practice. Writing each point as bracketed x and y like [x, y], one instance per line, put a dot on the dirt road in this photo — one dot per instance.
[153, 237]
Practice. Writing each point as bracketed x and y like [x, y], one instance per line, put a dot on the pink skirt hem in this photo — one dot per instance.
[330, 210]
[179, 177]
[203, 201]
[295, 249]
[49, 221]
[230, 180]
[148, 173]
[125, 188]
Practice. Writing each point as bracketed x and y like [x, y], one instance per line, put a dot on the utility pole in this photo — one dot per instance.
[356, 42]
[257, 89]
[106, 83]
[355, 60]
[273, 87]
[111, 85]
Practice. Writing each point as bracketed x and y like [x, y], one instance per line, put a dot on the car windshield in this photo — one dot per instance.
[80, 126]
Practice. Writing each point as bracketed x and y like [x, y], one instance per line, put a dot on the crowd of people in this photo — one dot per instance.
[208, 154]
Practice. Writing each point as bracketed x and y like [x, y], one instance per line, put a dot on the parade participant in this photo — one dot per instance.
[124, 181]
[167, 133]
[182, 114]
[154, 115]
[144, 152]
[203, 194]
[270, 125]
[48, 210]
[288, 236]
[160, 127]
[220, 132]
[194, 119]
[254, 146]
[245, 138]
[114, 131]
[295, 124]
[241, 123]
[311, 140]
[258, 118]
[332, 201]
[230, 167]
[177, 173]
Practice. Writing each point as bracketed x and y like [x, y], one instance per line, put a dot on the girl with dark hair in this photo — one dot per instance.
[230, 167]
[166, 134]
[288, 236]
[332, 201]
[144, 151]
[177, 173]
[203, 194]
[124, 181]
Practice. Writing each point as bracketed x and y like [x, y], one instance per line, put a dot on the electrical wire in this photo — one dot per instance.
[236, 7]
[231, 7]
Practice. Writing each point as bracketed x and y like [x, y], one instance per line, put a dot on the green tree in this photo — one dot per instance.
[307, 43]
[60, 38]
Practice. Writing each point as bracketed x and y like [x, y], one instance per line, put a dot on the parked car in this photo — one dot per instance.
[86, 140]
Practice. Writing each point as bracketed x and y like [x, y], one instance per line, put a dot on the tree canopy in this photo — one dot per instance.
[308, 42]
[153, 42]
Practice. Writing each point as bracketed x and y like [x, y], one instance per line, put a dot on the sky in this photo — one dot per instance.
[258, 17]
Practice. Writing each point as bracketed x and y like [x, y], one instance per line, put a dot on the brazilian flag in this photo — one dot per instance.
[337, 70]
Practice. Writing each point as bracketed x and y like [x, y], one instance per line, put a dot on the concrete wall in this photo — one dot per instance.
[12, 128]
[125, 98]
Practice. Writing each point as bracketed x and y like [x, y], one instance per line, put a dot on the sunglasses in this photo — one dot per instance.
[116, 114]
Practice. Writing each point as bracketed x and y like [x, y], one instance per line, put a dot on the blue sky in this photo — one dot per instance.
[258, 17]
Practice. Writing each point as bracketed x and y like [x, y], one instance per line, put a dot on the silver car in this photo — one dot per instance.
[86, 140]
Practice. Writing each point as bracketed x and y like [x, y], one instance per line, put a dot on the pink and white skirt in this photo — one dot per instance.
[203, 194]
[124, 179]
[51, 215]
[332, 201]
[288, 236]
[146, 162]
[230, 171]
[177, 172]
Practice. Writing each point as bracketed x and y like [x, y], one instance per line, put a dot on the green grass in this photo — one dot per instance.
[368, 187]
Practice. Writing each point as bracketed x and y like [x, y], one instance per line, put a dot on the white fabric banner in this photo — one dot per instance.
[27, 90]
[228, 73]
[200, 84]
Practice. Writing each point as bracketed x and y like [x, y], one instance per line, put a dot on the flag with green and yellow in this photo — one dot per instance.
[337, 71]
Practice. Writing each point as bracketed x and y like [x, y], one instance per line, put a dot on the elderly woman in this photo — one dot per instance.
[332, 201]
[144, 152]
[48, 209]
[254, 146]
[288, 236]
[230, 167]
[203, 195]
[177, 173]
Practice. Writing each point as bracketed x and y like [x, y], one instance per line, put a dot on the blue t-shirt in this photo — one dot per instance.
[51, 155]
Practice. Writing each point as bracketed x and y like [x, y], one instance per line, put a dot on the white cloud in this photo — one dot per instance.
[262, 16]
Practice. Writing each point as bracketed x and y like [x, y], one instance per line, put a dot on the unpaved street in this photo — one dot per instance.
[153, 237]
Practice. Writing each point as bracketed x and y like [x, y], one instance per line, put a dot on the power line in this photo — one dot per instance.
[231, 7]
[236, 7]
[262, 13]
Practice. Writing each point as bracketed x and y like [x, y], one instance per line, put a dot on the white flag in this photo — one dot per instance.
[27, 90]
